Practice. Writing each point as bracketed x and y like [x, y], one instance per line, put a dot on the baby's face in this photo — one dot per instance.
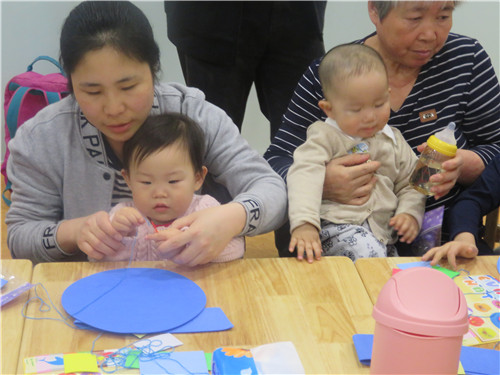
[163, 184]
[360, 105]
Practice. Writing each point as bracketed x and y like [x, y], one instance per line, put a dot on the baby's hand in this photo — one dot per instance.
[406, 226]
[164, 235]
[126, 220]
[306, 238]
[463, 245]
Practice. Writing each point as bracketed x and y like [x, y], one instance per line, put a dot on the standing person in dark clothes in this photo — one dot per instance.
[226, 46]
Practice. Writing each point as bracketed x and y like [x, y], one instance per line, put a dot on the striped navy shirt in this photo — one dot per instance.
[121, 191]
[458, 83]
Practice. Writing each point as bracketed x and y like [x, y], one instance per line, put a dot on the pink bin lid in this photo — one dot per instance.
[422, 301]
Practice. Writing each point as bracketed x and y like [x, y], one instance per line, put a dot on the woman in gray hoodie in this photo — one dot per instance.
[65, 162]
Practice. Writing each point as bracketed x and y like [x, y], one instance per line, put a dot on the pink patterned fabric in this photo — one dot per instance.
[146, 250]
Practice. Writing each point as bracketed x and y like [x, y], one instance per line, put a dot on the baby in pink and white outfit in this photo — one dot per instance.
[163, 167]
[144, 249]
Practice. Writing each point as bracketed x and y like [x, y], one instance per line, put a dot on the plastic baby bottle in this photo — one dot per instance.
[440, 147]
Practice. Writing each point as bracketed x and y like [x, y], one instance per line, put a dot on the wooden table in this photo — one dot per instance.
[12, 320]
[375, 272]
[317, 306]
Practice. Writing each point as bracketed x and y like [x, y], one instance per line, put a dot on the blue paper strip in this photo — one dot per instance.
[404, 266]
[364, 346]
[211, 319]
[480, 360]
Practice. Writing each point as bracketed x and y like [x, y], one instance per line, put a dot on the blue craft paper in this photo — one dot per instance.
[437, 267]
[134, 300]
[211, 319]
[179, 363]
[364, 345]
[474, 360]
[404, 266]
[3, 282]
[480, 361]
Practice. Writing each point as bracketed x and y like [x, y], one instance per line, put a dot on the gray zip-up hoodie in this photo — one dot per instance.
[58, 173]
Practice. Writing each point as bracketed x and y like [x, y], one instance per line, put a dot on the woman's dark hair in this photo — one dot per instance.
[121, 25]
[163, 130]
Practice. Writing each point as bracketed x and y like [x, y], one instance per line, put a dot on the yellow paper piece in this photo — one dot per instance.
[461, 370]
[80, 362]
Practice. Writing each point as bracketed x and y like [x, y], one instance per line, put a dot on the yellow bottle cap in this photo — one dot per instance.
[441, 146]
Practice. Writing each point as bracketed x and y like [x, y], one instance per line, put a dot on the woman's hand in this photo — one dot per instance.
[350, 179]
[448, 177]
[207, 234]
[465, 167]
[463, 245]
[93, 234]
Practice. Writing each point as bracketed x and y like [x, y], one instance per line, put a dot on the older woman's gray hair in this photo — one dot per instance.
[384, 7]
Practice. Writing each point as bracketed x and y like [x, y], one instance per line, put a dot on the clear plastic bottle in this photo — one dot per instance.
[440, 147]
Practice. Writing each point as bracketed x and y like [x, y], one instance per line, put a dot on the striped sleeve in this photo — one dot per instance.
[481, 122]
[302, 111]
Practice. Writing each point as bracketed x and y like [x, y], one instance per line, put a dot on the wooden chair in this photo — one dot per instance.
[261, 246]
[492, 229]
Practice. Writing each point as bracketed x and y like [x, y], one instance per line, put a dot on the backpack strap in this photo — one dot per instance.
[46, 58]
[8, 186]
[12, 116]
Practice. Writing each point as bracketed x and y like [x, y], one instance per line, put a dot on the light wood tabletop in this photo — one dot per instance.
[12, 319]
[375, 272]
[317, 306]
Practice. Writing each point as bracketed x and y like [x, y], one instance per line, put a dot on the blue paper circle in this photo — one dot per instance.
[134, 300]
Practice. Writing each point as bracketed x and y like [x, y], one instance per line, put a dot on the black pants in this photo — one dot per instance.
[274, 66]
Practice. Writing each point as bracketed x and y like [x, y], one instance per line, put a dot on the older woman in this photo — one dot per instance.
[435, 77]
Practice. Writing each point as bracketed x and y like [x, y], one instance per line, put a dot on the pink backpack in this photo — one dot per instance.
[25, 95]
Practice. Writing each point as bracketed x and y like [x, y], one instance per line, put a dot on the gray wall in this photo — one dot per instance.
[30, 29]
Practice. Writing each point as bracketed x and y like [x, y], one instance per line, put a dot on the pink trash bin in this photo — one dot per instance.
[421, 317]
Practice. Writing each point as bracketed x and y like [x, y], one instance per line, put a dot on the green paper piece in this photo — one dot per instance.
[30, 365]
[132, 360]
[208, 357]
[446, 271]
